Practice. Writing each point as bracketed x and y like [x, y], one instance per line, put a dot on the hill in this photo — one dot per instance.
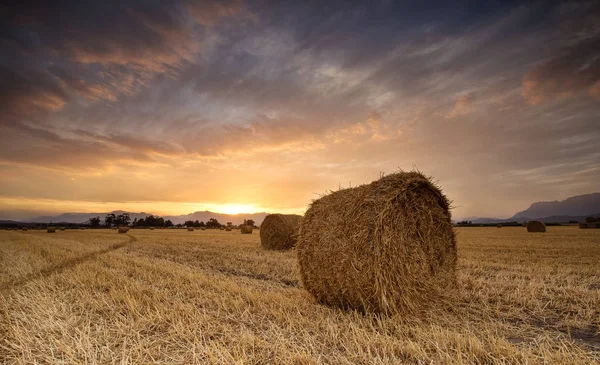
[576, 206]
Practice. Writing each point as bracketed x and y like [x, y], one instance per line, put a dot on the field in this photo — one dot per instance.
[173, 296]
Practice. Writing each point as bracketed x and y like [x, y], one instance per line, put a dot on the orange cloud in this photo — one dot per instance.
[465, 104]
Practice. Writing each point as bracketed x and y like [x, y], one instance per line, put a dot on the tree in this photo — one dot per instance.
[249, 222]
[123, 219]
[213, 223]
[110, 219]
[168, 223]
[94, 222]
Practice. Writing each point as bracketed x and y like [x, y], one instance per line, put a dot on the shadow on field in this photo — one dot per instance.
[64, 265]
[589, 336]
[285, 282]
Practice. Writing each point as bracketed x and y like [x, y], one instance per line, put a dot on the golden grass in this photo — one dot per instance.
[168, 297]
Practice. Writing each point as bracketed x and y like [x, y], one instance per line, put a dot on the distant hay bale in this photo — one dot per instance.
[279, 231]
[246, 229]
[190, 229]
[228, 229]
[384, 247]
[203, 229]
[24, 229]
[152, 228]
[498, 225]
[123, 229]
[62, 228]
[536, 226]
[51, 230]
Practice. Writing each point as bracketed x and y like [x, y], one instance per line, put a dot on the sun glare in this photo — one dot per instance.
[236, 208]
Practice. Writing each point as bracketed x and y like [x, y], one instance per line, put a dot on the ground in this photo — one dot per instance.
[215, 297]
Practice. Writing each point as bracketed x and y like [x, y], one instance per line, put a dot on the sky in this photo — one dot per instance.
[171, 107]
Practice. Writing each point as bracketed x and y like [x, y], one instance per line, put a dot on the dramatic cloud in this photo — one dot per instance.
[269, 103]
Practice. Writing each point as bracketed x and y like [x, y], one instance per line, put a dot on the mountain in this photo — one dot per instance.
[576, 206]
[200, 216]
[222, 218]
[549, 219]
[82, 217]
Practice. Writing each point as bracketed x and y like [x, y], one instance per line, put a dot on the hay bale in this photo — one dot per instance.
[228, 229]
[498, 225]
[51, 230]
[152, 228]
[384, 247]
[123, 229]
[279, 231]
[246, 229]
[536, 226]
[190, 229]
[203, 229]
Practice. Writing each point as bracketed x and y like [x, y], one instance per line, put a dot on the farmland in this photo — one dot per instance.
[173, 296]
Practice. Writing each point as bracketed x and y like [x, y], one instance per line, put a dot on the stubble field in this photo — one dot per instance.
[215, 297]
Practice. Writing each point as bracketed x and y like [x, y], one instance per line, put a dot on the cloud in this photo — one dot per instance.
[28, 95]
[573, 68]
[464, 104]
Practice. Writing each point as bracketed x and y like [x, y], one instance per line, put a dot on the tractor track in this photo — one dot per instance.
[67, 264]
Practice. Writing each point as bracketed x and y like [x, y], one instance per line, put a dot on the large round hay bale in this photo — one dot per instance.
[228, 229]
[190, 229]
[246, 229]
[279, 231]
[536, 226]
[51, 230]
[123, 229]
[388, 246]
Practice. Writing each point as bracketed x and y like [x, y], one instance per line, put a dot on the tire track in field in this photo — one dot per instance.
[67, 264]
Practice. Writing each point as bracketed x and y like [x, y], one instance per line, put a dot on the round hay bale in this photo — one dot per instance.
[536, 226]
[498, 225]
[51, 230]
[152, 228]
[279, 231]
[246, 229]
[203, 229]
[123, 229]
[384, 247]
[190, 229]
[228, 229]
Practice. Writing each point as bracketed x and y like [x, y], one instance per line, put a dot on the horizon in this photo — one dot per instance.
[242, 213]
[234, 106]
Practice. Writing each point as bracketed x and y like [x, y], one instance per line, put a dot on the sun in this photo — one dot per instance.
[237, 208]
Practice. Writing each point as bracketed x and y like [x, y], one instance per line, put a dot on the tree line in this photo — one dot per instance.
[123, 219]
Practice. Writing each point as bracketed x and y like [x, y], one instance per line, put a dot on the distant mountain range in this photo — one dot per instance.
[575, 208]
[200, 216]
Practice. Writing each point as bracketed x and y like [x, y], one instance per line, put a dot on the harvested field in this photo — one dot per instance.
[166, 296]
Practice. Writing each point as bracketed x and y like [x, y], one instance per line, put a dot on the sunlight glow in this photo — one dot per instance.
[236, 208]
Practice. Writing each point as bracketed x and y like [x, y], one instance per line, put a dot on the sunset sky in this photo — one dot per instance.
[171, 107]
